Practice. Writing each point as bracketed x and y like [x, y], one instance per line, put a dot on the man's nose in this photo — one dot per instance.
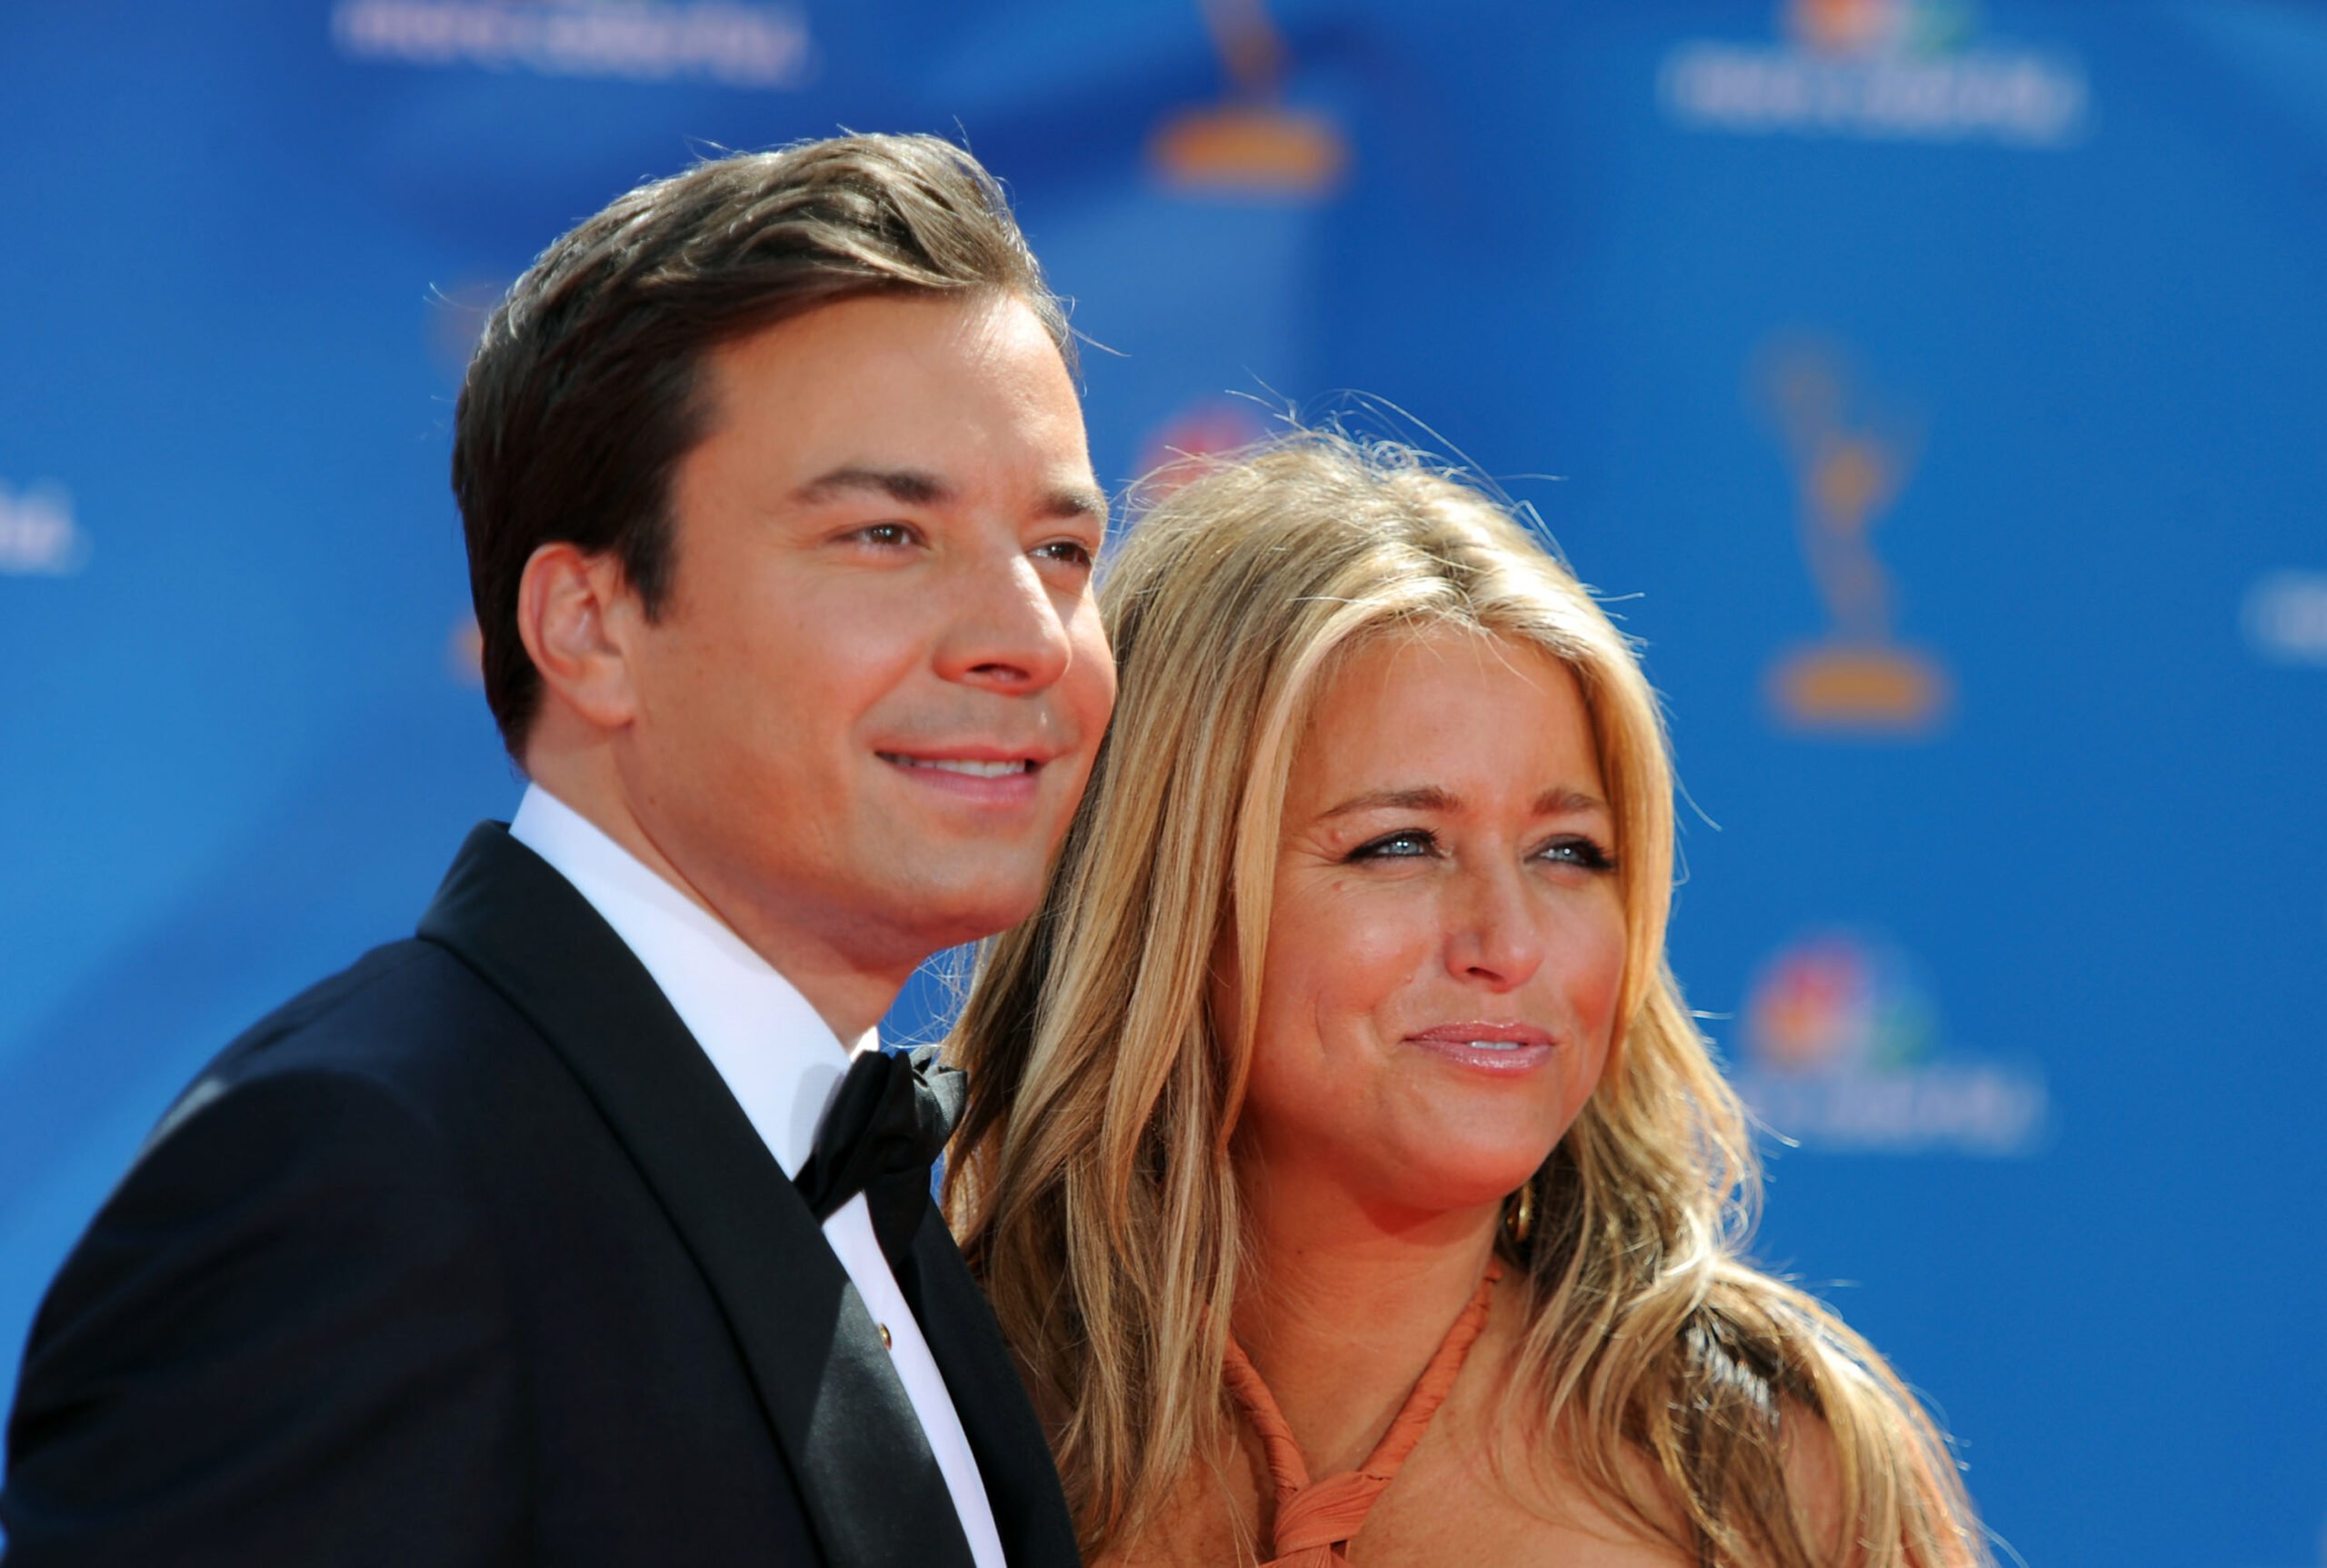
[1494, 935]
[1005, 631]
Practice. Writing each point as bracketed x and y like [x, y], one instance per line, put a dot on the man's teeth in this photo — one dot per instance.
[975, 770]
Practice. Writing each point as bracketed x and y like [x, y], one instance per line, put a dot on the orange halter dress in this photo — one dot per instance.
[1316, 1518]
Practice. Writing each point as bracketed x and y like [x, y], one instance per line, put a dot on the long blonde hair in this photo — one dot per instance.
[1093, 1186]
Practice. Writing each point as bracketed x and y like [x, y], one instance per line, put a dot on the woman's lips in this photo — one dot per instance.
[1489, 1047]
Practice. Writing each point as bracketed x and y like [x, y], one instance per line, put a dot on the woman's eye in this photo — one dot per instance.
[1578, 851]
[1407, 843]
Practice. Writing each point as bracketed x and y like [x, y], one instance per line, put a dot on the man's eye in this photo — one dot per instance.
[888, 534]
[1407, 843]
[1577, 850]
[1074, 551]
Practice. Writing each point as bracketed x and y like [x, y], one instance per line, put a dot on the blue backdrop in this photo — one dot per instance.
[1938, 385]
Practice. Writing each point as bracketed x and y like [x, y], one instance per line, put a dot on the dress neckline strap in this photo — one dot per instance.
[1316, 1518]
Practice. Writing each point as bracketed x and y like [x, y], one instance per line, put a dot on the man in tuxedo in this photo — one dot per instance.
[533, 1239]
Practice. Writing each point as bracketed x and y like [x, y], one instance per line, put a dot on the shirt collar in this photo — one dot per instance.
[778, 1056]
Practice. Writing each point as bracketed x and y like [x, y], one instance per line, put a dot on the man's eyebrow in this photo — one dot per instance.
[909, 486]
[919, 487]
[1557, 801]
[1074, 501]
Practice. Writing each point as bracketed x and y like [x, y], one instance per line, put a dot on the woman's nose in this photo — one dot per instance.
[1495, 934]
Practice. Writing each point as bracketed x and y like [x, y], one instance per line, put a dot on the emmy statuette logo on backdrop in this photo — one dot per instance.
[1252, 144]
[1849, 462]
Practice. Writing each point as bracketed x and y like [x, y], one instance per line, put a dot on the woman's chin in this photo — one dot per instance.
[1476, 1187]
[1490, 1164]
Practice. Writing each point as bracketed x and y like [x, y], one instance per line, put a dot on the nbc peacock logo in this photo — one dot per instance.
[1834, 1003]
[1844, 1051]
[1844, 27]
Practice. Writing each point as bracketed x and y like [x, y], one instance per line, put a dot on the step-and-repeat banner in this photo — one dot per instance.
[1939, 389]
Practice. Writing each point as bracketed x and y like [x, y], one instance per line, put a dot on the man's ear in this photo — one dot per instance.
[573, 609]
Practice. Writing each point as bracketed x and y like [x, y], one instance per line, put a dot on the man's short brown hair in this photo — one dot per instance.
[584, 393]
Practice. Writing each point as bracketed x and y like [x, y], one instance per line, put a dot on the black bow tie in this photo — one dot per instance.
[889, 1122]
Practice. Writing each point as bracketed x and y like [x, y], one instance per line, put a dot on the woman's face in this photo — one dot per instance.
[1448, 941]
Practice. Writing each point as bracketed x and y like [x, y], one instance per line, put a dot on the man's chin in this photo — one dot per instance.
[972, 904]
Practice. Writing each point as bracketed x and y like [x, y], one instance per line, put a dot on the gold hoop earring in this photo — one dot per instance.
[1519, 1219]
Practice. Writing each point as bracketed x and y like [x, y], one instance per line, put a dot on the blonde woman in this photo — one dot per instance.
[1348, 1174]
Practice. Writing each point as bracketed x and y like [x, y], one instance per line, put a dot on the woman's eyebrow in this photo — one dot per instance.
[1560, 801]
[1557, 801]
[1418, 797]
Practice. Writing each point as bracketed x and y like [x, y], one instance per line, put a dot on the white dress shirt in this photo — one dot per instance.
[783, 1065]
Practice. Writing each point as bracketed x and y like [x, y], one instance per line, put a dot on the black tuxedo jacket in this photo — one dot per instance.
[468, 1256]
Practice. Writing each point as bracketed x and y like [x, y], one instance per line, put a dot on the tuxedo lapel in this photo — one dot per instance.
[1030, 1510]
[873, 1491]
